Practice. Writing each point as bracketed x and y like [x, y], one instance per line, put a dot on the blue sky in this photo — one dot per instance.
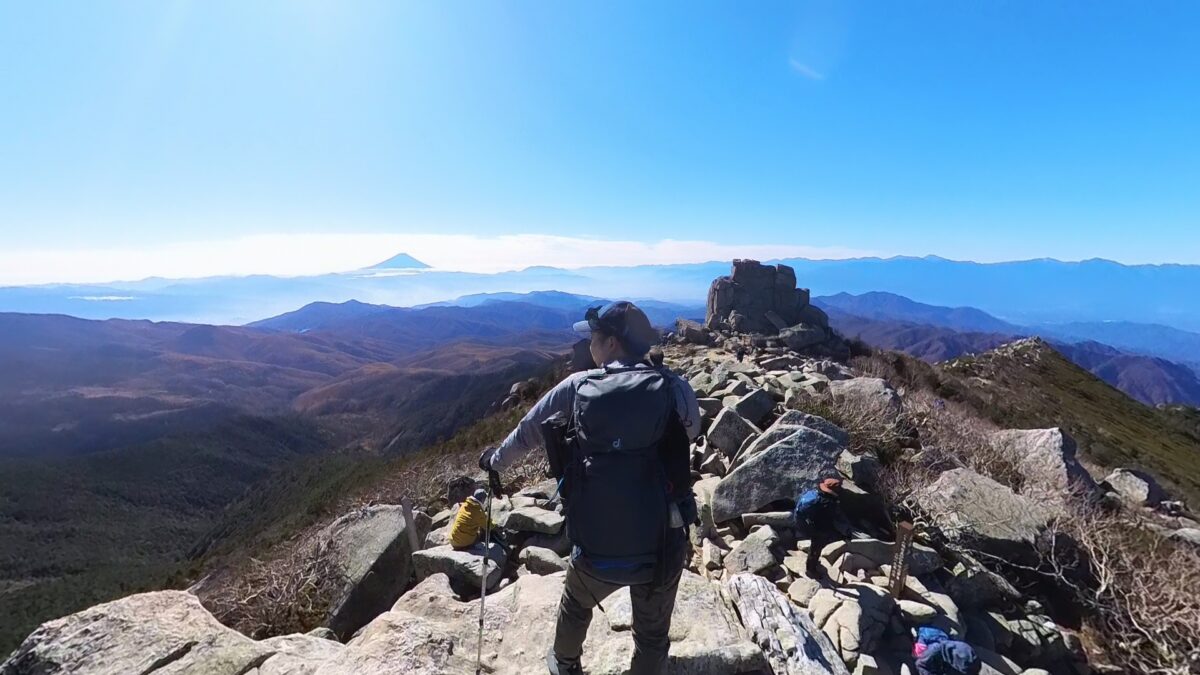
[972, 130]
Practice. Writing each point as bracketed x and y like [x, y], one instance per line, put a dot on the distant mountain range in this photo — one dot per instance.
[935, 334]
[1031, 292]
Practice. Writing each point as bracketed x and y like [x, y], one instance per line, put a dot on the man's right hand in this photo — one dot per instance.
[486, 458]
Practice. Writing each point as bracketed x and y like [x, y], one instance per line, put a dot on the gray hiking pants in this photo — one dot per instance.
[652, 607]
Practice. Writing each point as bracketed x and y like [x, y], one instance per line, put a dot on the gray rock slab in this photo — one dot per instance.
[975, 510]
[373, 556]
[464, 568]
[535, 519]
[779, 473]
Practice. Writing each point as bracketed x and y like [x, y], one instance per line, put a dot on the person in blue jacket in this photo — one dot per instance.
[815, 514]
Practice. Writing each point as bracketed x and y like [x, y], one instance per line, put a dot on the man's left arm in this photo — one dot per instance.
[686, 406]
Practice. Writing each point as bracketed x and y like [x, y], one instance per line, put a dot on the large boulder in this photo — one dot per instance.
[693, 332]
[728, 431]
[753, 554]
[976, 511]
[870, 393]
[372, 555]
[465, 568]
[167, 631]
[787, 424]
[1046, 460]
[1136, 487]
[754, 406]
[542, 560]
[778, 473]
[706, 637]
[801, 337]
[535, 519]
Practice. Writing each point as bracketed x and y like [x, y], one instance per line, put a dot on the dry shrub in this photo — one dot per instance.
[289, 594]
[1138, 588]
[873, 426]
[290, 588]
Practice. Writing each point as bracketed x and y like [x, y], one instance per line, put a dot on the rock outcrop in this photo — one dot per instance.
[372, 555]
[757, 298]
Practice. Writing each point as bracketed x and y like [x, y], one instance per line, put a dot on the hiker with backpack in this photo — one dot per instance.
[939, 654]
[625, 482]
[815, 517]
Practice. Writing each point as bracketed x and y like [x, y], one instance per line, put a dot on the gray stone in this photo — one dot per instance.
[921, 558]
[973, 510]
[854, 617]
[706, 638]
[776, 519]
[974, 586]
[787, 424]
[462, 567]
[692, 332]
[778, 473]
[715, 463]
[137, 634]
[1187, 535]
[802, 590]
[372, 555]
[813, 315]
[712, 556]
[753, 554]
[728, 431]
[755, 406]
[438, 537]
[1046, 460]
[442, 518]
[802, 337]
[542, 560]
[709, 407]
[916, 613]
[1135, 487]
[535, 519]
[784, 362]
[862, 469]
[791, 642]
[869, 392]
[707, 527]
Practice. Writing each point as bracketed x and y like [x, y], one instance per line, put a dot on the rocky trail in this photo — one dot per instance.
[406, 602]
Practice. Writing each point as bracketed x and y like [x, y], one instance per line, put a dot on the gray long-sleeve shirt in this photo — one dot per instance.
[528, 434]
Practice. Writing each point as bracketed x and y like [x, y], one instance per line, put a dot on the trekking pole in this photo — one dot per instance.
[494, 484]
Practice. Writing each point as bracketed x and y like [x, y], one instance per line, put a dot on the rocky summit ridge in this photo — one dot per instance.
[779, 415]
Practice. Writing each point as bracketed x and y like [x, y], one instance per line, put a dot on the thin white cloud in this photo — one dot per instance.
[307, 254]
[806, 71]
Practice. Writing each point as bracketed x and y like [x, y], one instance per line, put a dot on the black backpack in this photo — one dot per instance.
[624, 467]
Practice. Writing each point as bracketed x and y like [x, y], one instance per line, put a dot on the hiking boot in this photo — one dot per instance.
[560, 668]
